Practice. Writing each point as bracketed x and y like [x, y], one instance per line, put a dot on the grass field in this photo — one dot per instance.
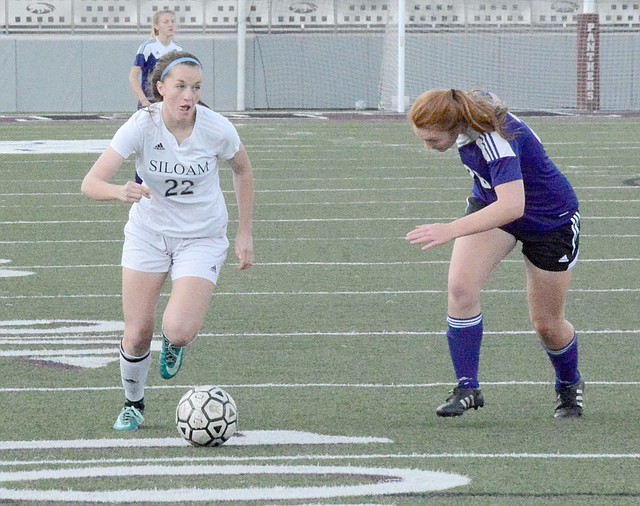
[337, 332]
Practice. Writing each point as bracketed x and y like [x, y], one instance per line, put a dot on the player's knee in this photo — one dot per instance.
[546, 327]
[179, 333]
[461, 297]
[137, 336]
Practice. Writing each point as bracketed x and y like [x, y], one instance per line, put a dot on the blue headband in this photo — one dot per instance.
[177, 61]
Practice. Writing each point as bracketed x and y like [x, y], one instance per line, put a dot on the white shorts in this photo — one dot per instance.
[146, 251]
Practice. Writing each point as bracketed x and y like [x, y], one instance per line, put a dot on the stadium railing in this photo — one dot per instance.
[107, 16]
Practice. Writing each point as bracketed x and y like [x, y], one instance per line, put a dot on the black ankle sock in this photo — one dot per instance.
[139, 405]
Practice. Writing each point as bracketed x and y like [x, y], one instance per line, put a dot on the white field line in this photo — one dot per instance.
[345, 190]
[350, 203]
[244, 438]
[110, 339]
[320, 264]
[418, 219]
[460, 176]
[114, 339]
[312, 385]
[293, 458]
[287, 239]
[286, 205]
[315, 293]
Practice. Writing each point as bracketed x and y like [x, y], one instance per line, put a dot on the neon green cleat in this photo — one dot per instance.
[129, 418]
[170, 359]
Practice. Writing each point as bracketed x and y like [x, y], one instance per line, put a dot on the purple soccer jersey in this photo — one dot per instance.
[550, 201]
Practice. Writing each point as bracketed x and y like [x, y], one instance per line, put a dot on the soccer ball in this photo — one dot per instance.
[206, 416]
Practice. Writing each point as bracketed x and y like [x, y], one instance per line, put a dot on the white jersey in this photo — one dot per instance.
[186, 198]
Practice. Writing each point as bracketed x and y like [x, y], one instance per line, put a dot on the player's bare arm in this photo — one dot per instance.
[508, 207]
[243, 184]
[96, 183]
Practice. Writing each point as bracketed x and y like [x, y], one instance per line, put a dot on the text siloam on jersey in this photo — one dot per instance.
[164, 167]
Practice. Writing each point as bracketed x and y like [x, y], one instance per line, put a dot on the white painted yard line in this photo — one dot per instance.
[63, 340]
[56, 222]
[320, 264]
[53, 146]
[243, 438]
[90, 205]
[292, 239]
[64, 241]
[418, 262]
[110, 338]
[325, 457]
[420, 219]
[391, 202]
[316, 293]
[313, 385]
[102, 345]
[303, 190]
[376, 333]
[386, 482]
[78, 266]
[298, 220]
[55, 353]
[41, 194]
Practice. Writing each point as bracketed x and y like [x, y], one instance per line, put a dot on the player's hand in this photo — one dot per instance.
[430, 236]
[244, 251]
[133, 192]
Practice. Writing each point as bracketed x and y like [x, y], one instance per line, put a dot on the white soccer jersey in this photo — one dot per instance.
[186, 198]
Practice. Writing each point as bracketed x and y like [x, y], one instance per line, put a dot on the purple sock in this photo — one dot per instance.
[565, 362]
[464, 337]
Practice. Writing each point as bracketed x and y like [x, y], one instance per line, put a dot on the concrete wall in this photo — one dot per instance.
[88, 73]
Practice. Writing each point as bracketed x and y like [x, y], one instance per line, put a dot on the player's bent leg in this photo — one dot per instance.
[140, 294]
[186, 309]
[547, 292]
[547, 295]
[472, 261]
[182, 320]
[170, 358]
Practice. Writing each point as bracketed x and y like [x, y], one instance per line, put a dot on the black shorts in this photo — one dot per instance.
[555, 250]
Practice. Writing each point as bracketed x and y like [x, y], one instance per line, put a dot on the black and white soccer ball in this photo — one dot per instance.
[206, 416]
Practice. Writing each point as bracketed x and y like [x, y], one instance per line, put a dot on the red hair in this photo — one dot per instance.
[447, 110]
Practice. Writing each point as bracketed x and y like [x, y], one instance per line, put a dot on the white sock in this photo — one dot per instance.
[134, 371]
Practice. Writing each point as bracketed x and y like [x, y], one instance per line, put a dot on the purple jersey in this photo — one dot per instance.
[148, 55]
[550, 201]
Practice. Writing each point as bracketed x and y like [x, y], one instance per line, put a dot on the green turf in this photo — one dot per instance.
[338, 328]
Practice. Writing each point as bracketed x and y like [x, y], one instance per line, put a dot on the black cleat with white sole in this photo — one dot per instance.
[570, 401]
[460, 400]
